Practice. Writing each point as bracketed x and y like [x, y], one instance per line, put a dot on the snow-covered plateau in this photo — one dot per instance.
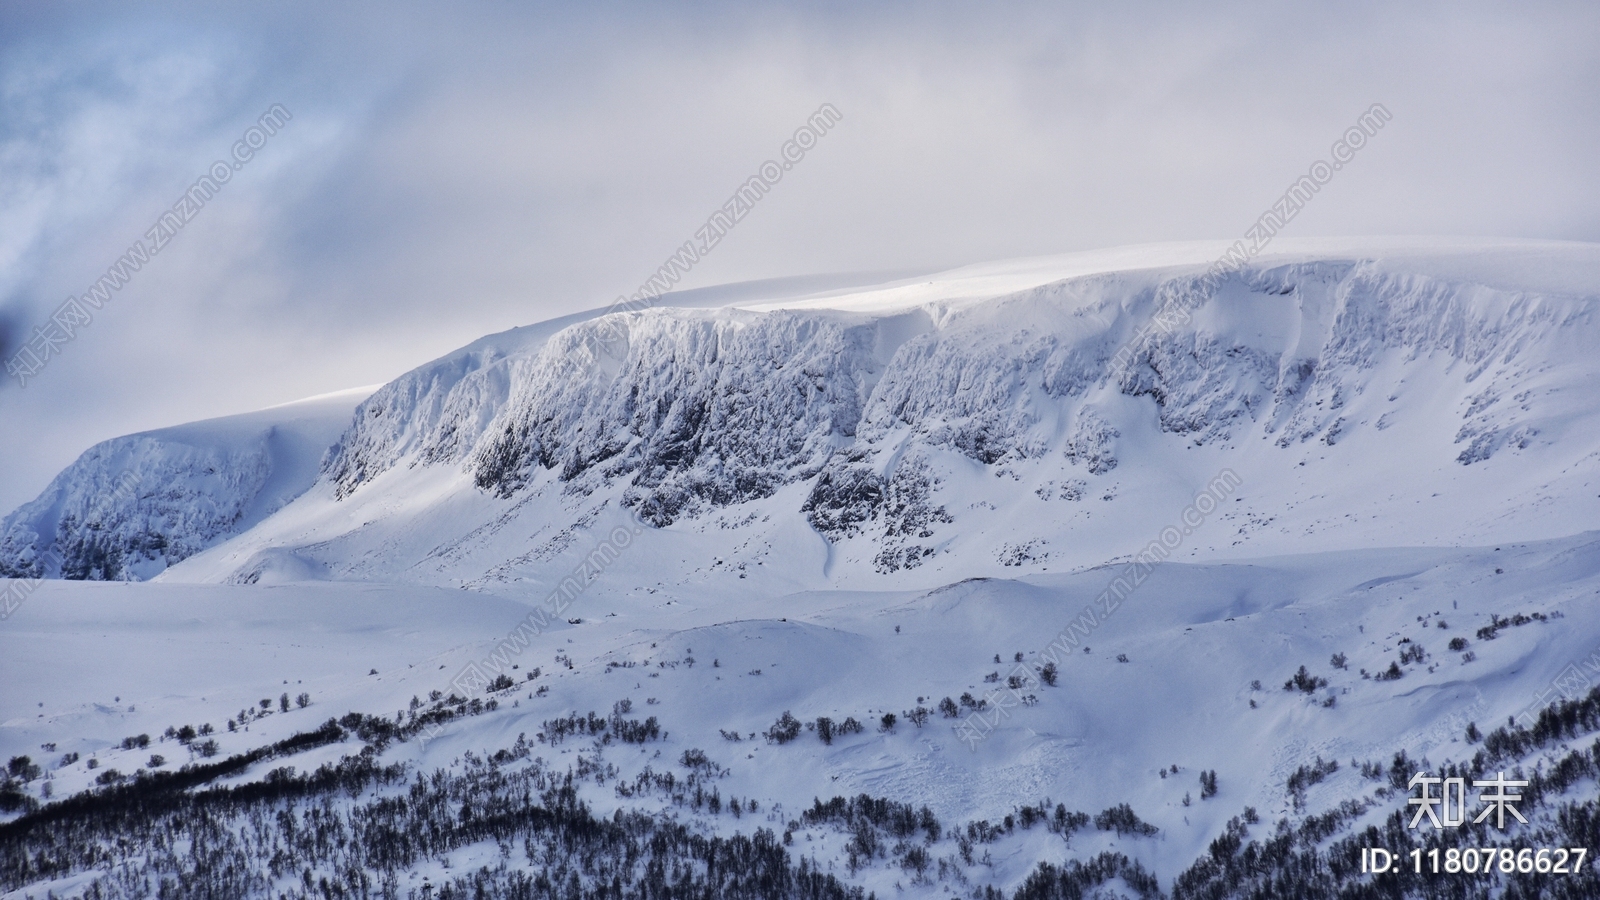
[1087, 575]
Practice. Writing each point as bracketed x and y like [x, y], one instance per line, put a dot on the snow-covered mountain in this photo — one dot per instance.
[1033, 414]
[132, 506]
[1082, 576]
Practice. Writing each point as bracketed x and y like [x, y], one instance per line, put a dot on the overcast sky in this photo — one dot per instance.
[462, 168]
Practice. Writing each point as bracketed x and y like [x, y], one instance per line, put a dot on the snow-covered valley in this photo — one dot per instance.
[1374, 460]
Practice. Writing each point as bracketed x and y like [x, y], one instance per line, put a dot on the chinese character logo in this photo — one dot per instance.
[1449, 808]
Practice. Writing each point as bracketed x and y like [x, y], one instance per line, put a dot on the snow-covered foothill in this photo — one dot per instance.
[132, 506]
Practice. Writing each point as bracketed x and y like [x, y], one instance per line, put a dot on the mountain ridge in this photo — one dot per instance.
[901, 423]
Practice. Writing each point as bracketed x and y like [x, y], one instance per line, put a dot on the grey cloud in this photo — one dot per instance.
[455, 171]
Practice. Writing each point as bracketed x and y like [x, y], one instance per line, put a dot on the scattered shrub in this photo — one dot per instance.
[786, 729]
[1305, 681]
[824, 726]
[1122, 820]
[23, 768]
[1304, 777]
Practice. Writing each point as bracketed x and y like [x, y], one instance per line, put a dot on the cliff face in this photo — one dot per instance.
[900, 425]
[132, 506]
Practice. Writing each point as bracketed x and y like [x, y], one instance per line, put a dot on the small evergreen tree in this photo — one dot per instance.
[824, 728]
[786, 729]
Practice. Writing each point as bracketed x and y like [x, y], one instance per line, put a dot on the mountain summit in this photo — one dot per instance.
[1035, 415]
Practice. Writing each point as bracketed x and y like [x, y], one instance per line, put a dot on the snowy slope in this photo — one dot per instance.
[1359, 457]
[131, 506]
[964, 424]
[1165, 682]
